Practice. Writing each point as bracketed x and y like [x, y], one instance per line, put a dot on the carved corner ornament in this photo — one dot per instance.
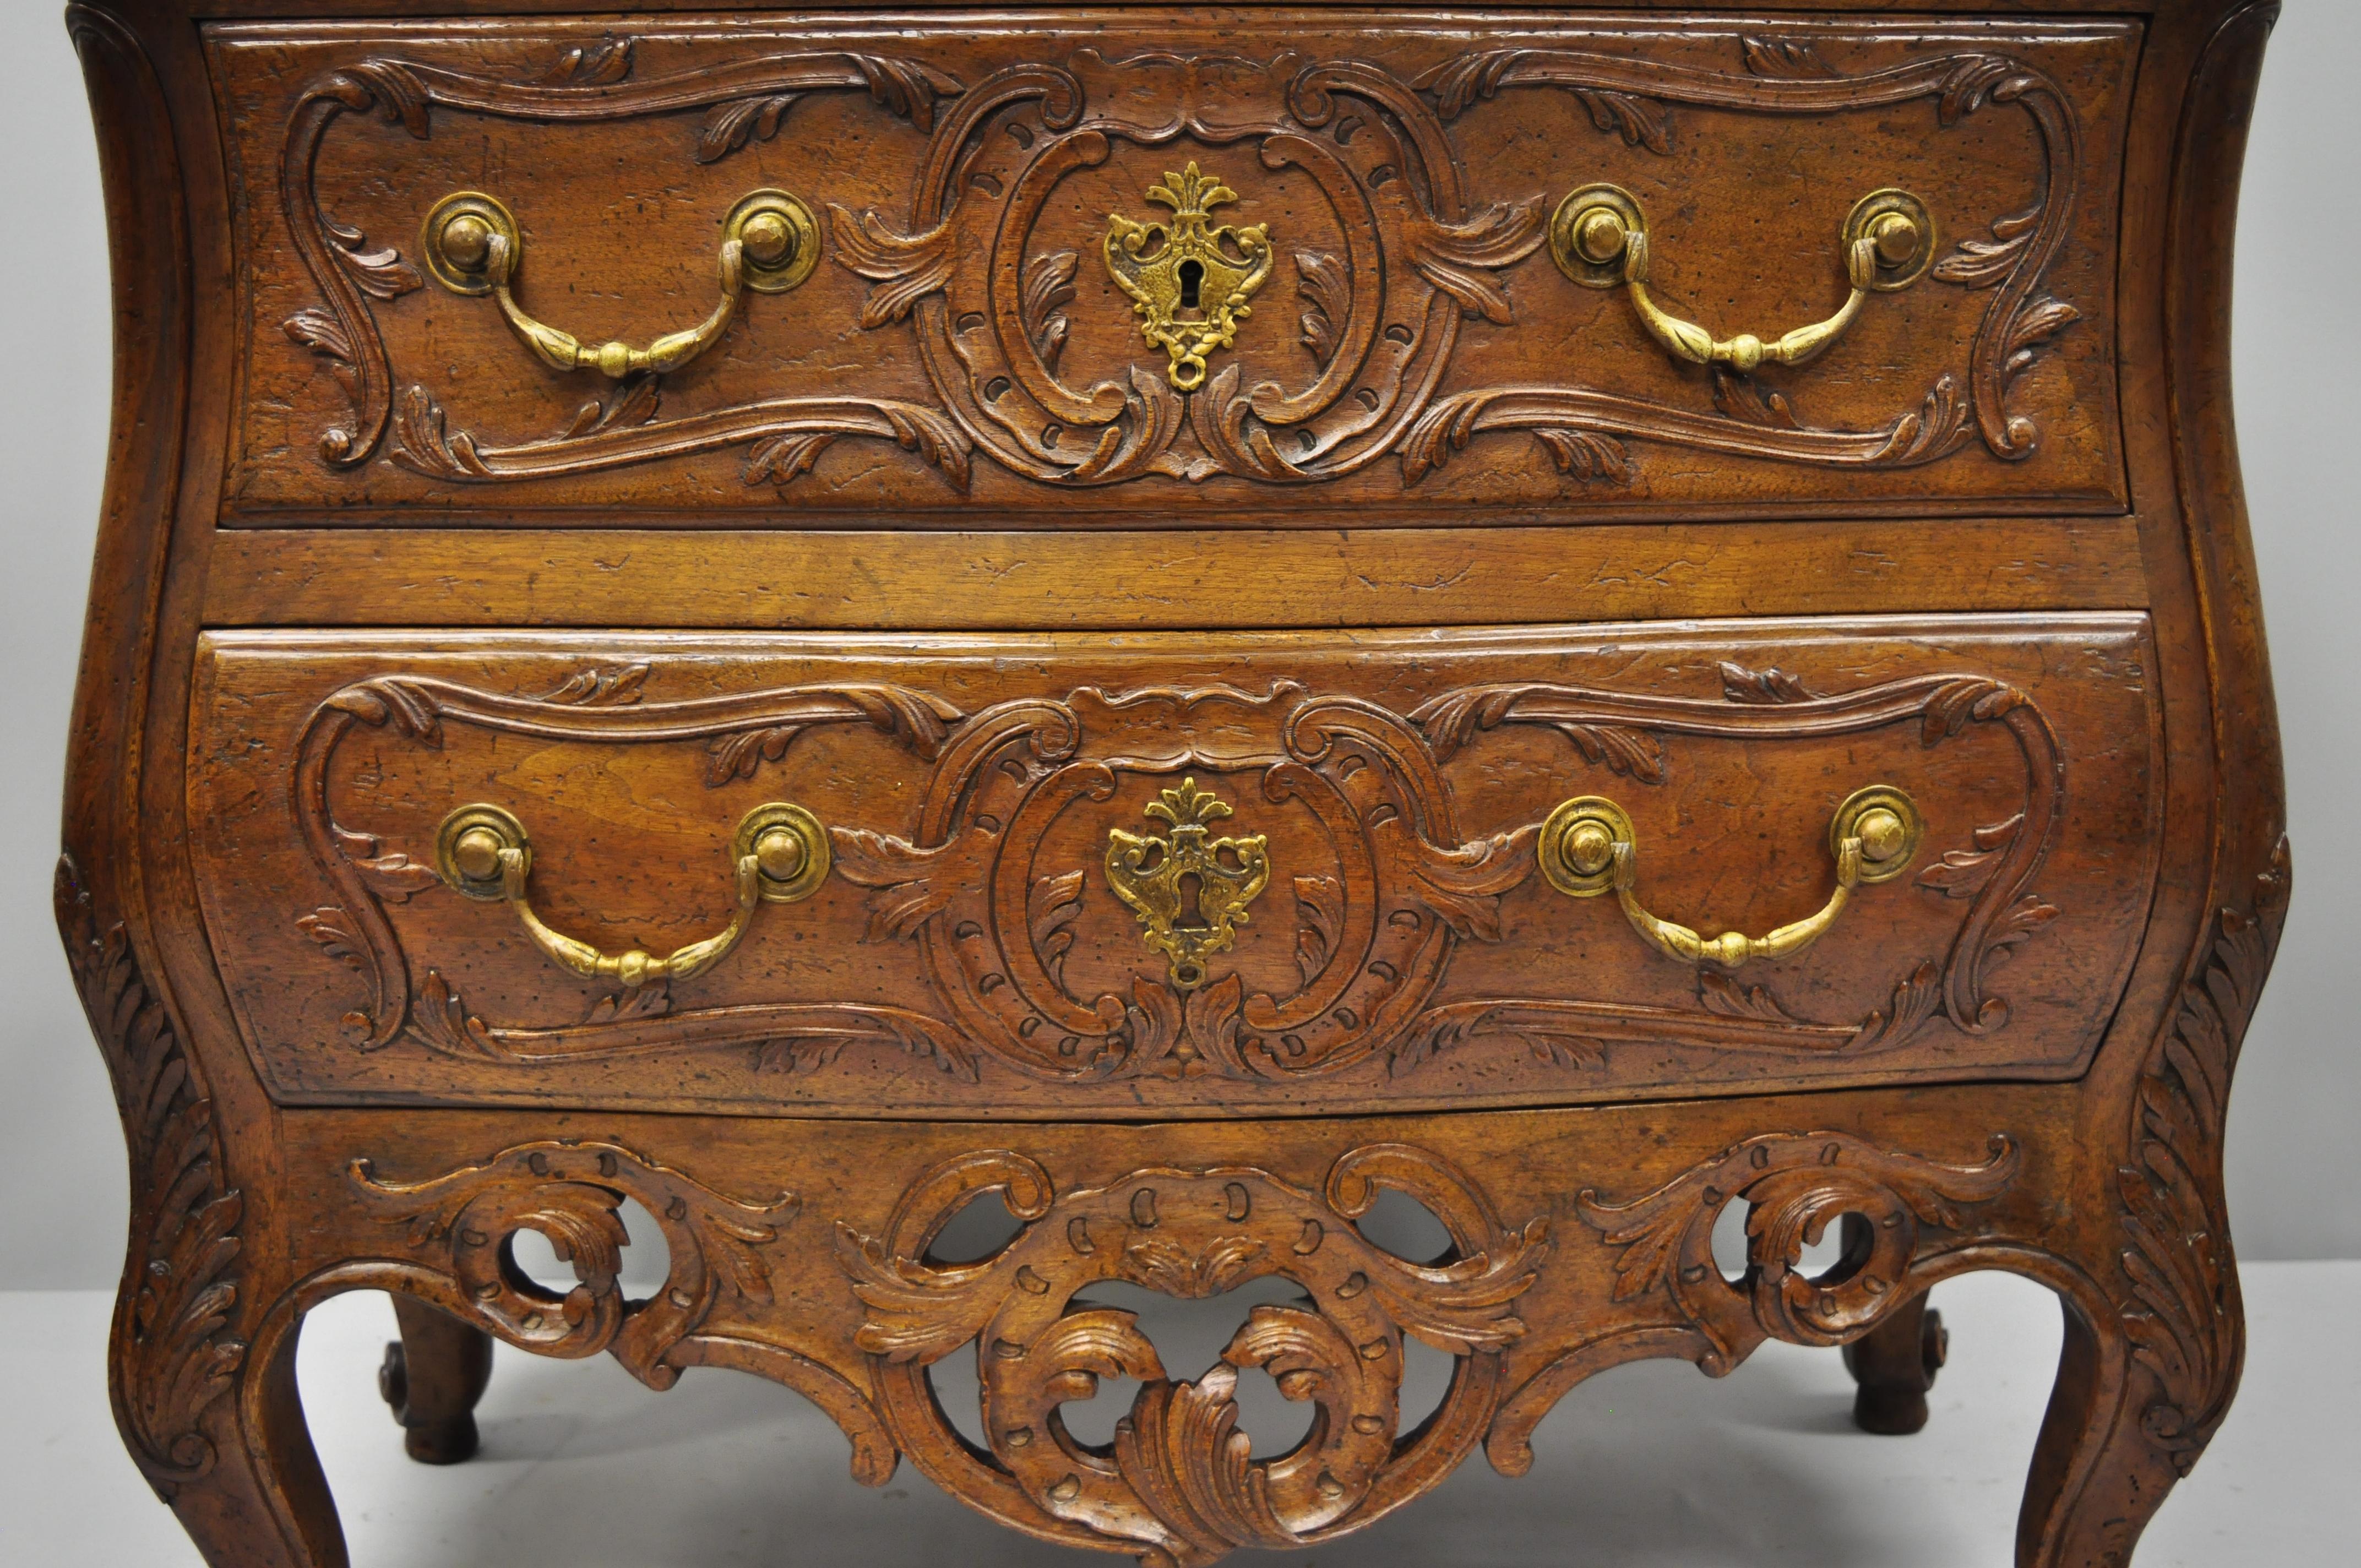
[1179, 1483]
[174, 1354]
[1189, 281]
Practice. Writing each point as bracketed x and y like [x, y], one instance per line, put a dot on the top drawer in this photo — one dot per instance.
[1174, 266]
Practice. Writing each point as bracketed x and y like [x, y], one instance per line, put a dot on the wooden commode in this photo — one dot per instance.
[1172, 619]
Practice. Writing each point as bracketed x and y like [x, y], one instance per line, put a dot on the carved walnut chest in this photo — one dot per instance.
[1173, 619]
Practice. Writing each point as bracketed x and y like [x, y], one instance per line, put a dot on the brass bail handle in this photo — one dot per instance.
[1599, 238]
[770, 243]
[1588, 848]
[779, 855]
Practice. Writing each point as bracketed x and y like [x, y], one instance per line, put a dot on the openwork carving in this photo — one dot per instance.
[570, 1192]
[1797, 1185]
[1179, 1484]
[1398, 886]
[981, 274]
[174, 1355]
[2184, 1317]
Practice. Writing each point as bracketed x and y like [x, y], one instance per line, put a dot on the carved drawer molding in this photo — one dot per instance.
[1390, 225]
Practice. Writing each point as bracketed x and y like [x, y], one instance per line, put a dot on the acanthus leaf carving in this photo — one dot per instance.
[2183, 1313]
[1180, 1481]
[174, 1354]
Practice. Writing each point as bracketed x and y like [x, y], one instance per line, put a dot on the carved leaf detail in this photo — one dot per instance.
[422, 442]
[819, 1040]
[1915, 999]
[1981, 264]
[907, 87]
[2182, 1315]
[323, 334]
[1786, 59]
[331, 927]
[1744, 399]
[1962, 874]
[635, 402]
[1456, 257]
[649, 1001]
[1048, 288]
[906, 268]
[1763, 687]
[382, 274]
[176, 1357]
[441, 1020]
[601, 64]
[1446, 1029]
[1319, 908]
[731, 126]
[617, 688]
[1327, 291]
[921, 720]
[783, 457]
[1052, 907]
[913, 884]
[1629, 754]
[1585, 455]
[1721, 993]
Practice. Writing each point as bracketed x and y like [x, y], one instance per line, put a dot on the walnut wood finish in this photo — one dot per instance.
[365, 558]
[431, 1377]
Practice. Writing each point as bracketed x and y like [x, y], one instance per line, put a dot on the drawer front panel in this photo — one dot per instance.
[1166, 268]
[1174, 874]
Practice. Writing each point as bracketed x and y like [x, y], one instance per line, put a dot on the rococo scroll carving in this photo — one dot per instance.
[1179, 1484]
[981, 277]
[458, 1229]
[1795, 1187]
[2183, 1314]
[1397, 884]
[174, 1355]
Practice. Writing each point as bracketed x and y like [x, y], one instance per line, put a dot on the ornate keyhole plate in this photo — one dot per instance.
[1188, 265]
[1189, 889]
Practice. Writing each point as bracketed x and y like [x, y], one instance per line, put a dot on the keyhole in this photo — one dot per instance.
[1190, 918]
[1192, 279]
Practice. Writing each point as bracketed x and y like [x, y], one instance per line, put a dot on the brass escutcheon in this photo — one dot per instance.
[1156, 873]
[770, 243]
[1189, 282]
[1588, 848]
[778, 854]
[1599, 236]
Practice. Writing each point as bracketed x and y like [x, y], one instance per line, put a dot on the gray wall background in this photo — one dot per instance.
[2299, 1097]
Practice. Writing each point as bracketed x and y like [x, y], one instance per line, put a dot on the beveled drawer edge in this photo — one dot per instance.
[1117, 581]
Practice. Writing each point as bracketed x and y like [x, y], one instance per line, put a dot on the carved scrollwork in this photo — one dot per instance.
[974, 269]
[570, 1192]
[748, 98]
[1795, 1187]
[1179, 1484]
[175, 1355]
[1397, 884]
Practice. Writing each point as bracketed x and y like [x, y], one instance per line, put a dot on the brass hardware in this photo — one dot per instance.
[1156, 875]
[1599, 238]
[780, 853]
[770, 243]
[1588, 848]
[1190, 270]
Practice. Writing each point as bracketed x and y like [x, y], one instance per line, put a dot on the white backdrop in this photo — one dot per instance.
[2299, 1094]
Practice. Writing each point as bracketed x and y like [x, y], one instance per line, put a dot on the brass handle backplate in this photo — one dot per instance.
[1588, 848]
[770, 243]
[779, 854]
[1599, 238]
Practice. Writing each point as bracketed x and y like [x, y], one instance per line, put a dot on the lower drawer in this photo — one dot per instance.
[1173, 875]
